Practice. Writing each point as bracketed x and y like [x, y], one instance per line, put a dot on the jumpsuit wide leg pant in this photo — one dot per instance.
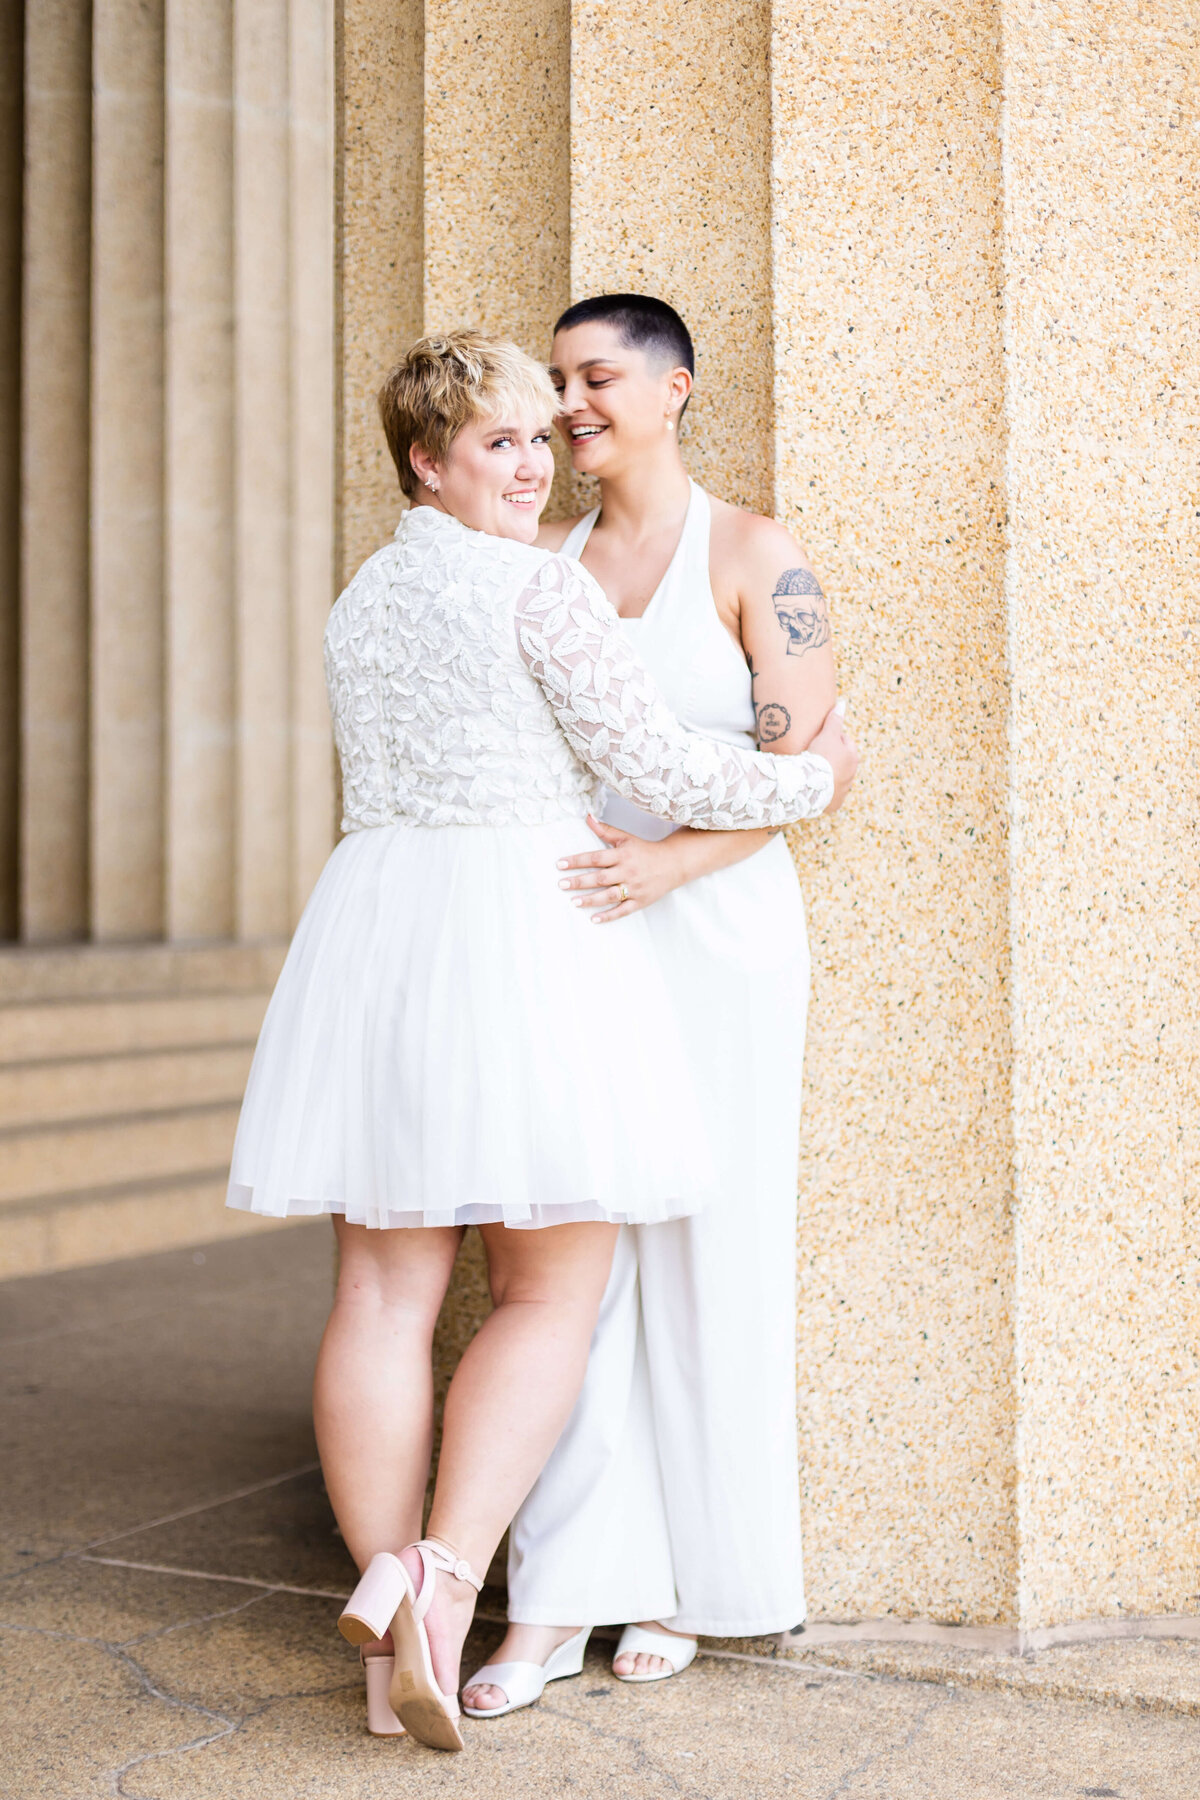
[673, 1493]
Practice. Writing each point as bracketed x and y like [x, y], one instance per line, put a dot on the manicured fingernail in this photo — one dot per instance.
[564, 883]
[577, 903]
[562, 864]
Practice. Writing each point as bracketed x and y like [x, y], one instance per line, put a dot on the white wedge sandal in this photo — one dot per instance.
[522, 1683]
[386, 1600]
[680, 1652]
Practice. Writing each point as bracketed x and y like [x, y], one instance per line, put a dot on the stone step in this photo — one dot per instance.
[90, 971]
[43, 1160]
[33, 1032]
[74, 1230]
[98, 1087]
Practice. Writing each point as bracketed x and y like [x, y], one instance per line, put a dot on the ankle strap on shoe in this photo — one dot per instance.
[436, 1555]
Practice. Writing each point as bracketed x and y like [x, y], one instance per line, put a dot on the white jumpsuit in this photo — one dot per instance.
[673, 1493]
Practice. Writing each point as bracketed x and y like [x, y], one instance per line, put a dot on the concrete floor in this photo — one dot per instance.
[169, 1572]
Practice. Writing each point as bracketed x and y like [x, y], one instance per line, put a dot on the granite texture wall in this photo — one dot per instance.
[889, 464]
[936, 263]
[1103, 405]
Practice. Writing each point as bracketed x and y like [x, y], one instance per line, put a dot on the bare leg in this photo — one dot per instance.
[509, 1400]
[373, 1390]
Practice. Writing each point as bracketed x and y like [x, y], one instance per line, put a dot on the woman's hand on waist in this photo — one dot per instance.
[628, 873]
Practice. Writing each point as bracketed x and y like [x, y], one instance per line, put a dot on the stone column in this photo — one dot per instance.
[890, 466]
[11, 156]
[312, 279]
[667, 199]
[126, 675]
[199, 470]
[262, 463]
[497, 183]
[54, 503]
[1102, 117]
[380, 250]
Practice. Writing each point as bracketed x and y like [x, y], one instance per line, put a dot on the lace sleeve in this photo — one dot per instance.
[619, 726]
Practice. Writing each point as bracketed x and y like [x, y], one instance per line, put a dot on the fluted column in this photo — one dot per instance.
[380, 250]
[890, 466]
[54, 505]
[126, 674]
[1102, 115]
[670, 195]
[312, 72]
[262, 464]
[11, 156]
[199, 423]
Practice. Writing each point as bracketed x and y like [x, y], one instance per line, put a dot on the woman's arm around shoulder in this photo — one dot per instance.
[616, 722]
[763, 578]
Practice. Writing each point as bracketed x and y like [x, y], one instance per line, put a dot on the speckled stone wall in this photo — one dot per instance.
[497, 192]
[381, 241]
[889, 465]
[934, 263]
[1103, 171]
[670, 194]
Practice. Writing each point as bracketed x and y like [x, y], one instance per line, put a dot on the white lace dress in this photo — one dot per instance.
[450, 1042]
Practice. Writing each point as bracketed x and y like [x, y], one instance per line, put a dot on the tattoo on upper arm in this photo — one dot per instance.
[773, 721]
[801, 610]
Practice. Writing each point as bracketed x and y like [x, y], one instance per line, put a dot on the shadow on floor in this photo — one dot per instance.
[169, 1577]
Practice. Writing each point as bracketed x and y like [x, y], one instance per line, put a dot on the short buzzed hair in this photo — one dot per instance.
[641, 322]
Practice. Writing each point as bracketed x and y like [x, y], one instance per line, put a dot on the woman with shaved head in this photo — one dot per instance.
[671, 1502]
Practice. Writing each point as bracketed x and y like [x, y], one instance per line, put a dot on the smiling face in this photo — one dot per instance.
[495, 478]
[617, 400]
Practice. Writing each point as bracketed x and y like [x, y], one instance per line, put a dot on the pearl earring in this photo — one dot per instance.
[670, 424]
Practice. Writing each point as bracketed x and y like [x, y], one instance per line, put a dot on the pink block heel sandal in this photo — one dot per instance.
[381, 1720]
[369, 1611]
[425, 1712]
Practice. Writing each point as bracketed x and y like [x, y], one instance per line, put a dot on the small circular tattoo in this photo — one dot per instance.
[774, 722]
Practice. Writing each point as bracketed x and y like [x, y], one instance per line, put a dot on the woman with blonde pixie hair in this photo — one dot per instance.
[447, 1044]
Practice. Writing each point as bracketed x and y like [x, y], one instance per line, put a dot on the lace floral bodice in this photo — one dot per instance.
[478, 681]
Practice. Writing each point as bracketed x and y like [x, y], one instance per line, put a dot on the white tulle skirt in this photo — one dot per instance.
[451, 1042]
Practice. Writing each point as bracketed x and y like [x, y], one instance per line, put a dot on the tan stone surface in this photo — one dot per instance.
[11, 159]
[199, 470]
[93, 1227]
[670, 195]
[153, 970]
[161, 1407]
[59, 1159]
[497, 182]
[126, 623]
[40, 1093]
[79, 1715]
[380, 225]
[312, 84]
[262, 435]
[97, 1027]
[1153, 1676]
[1104, 342]
[142, 1391]
[54, 513]
[890, 465]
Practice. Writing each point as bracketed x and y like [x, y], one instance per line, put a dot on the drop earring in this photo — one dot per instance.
[670, 424]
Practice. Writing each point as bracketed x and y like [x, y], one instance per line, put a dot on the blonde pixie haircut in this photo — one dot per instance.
[450, 381]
